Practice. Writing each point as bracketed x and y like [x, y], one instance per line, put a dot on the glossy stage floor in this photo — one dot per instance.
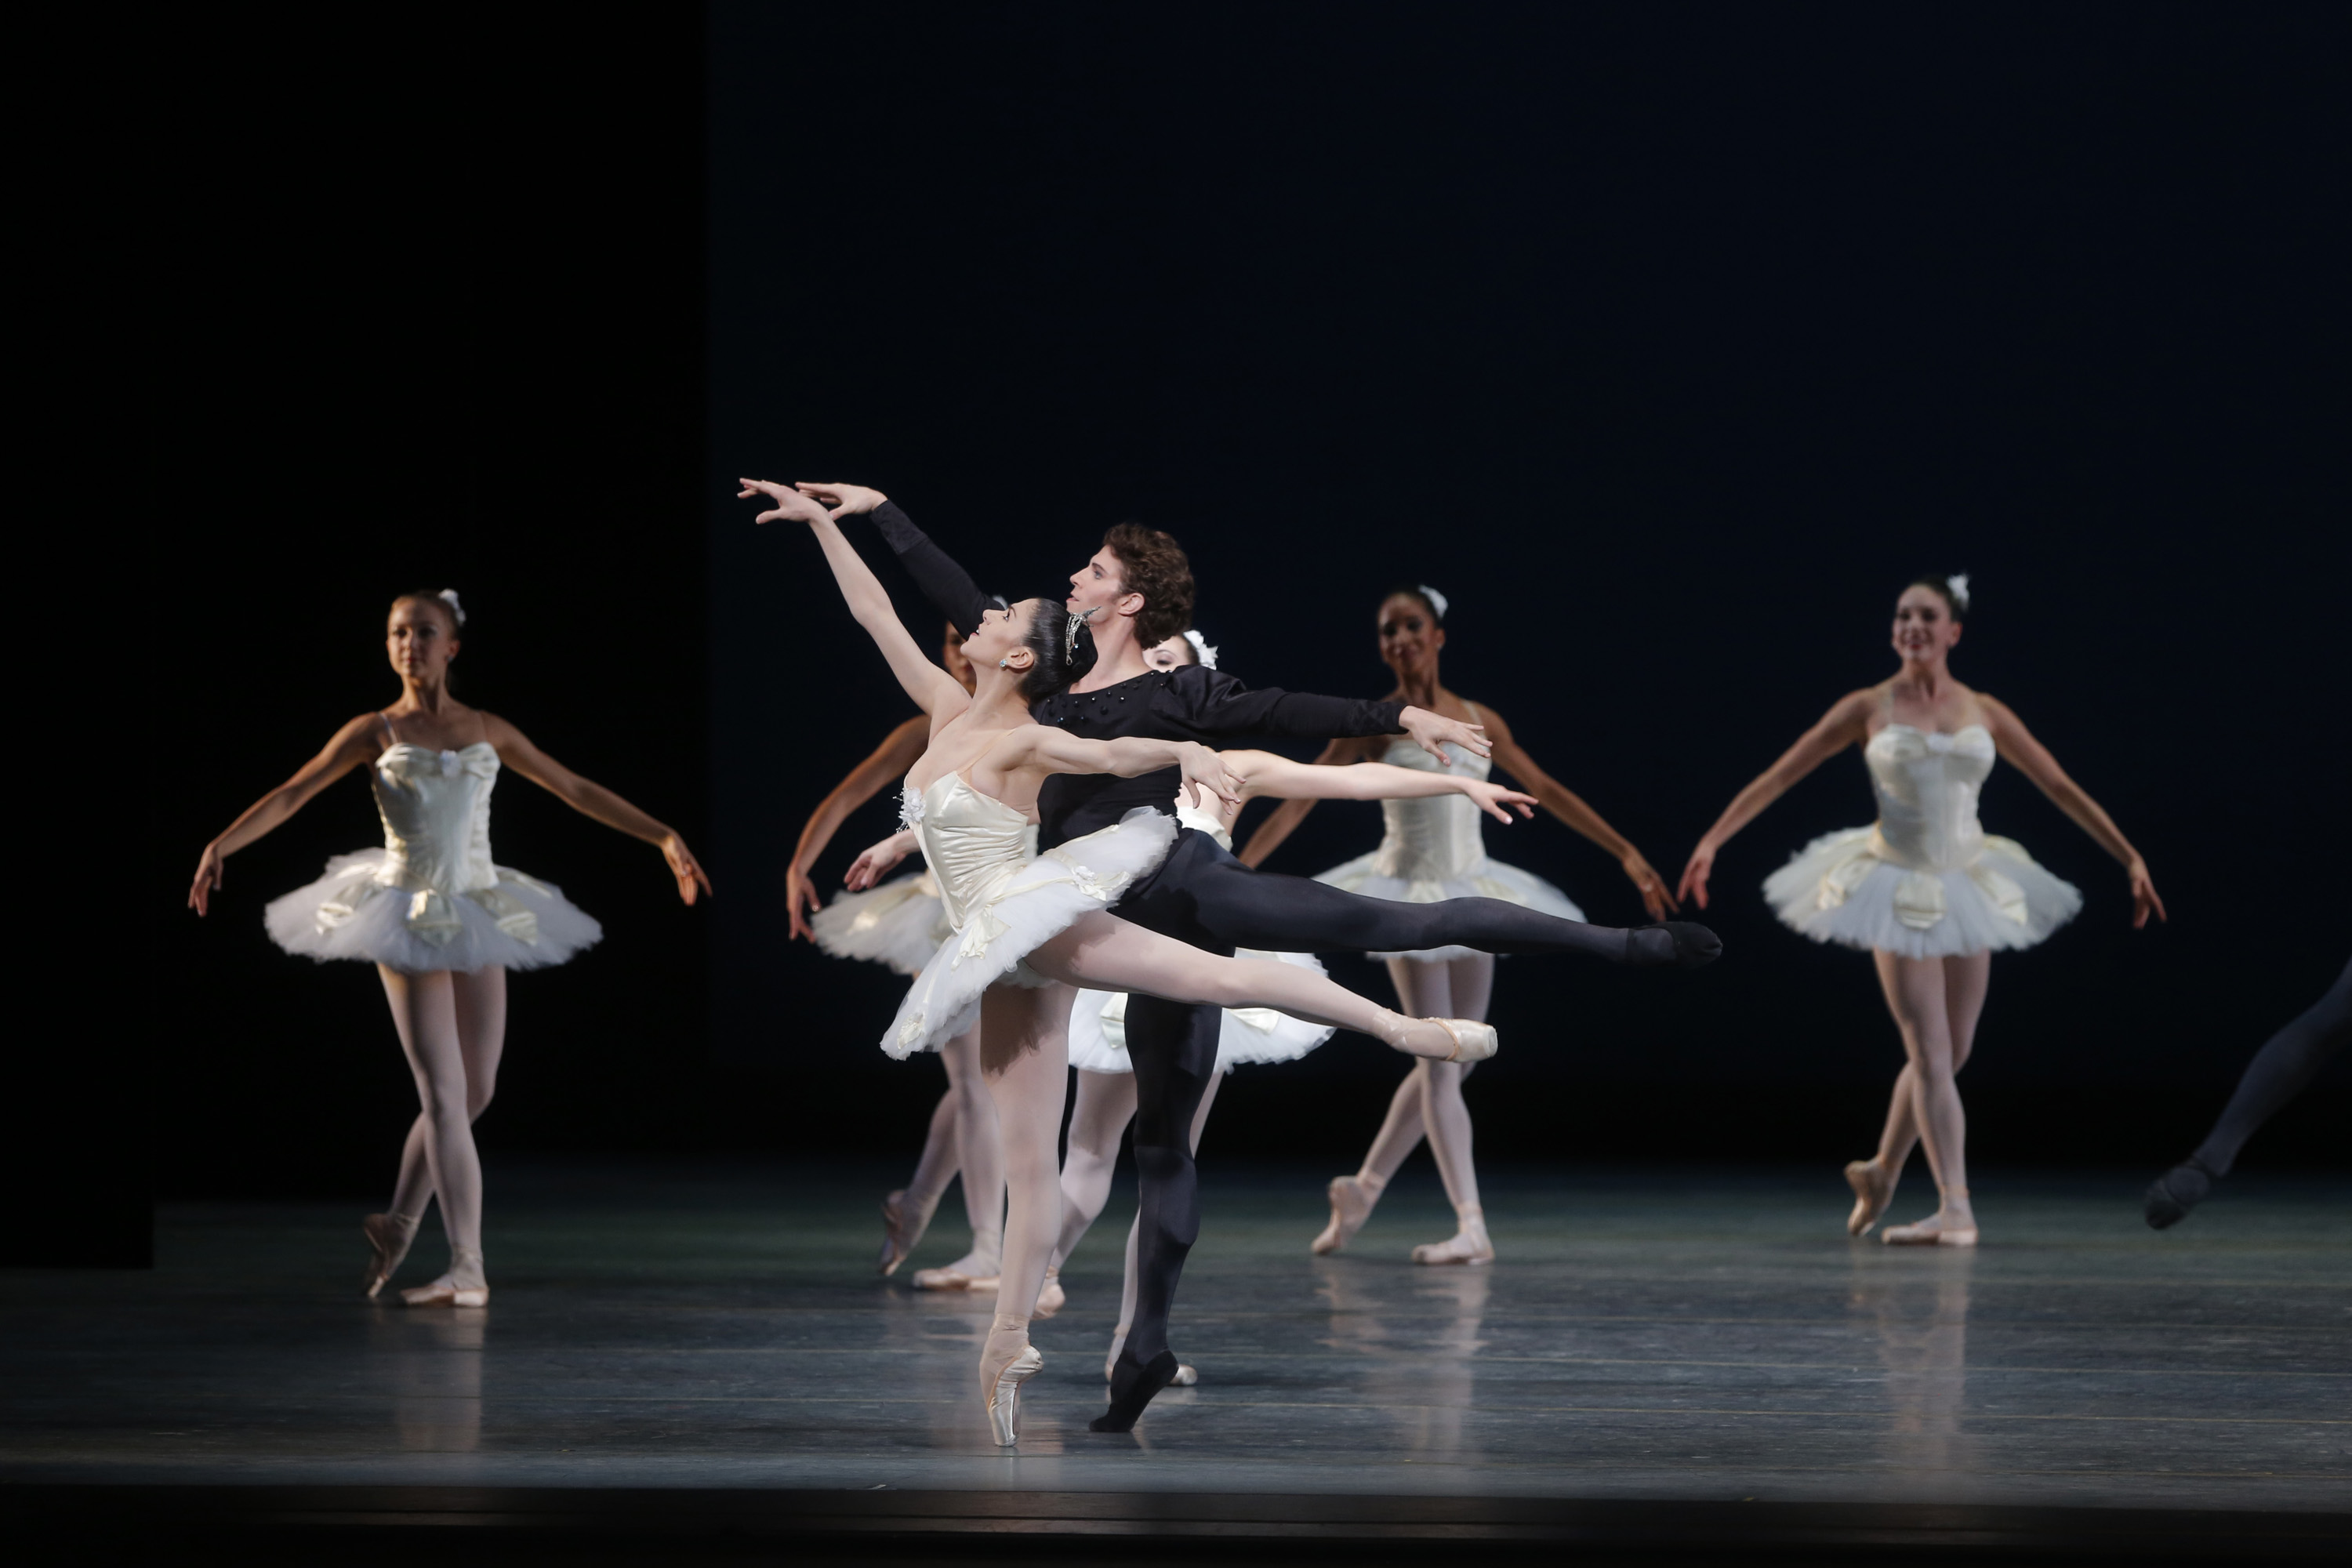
[1660, 1363]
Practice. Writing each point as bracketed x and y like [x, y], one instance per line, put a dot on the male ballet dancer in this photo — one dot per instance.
[1136, 591]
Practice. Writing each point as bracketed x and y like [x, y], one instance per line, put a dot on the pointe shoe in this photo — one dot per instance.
[1871, 1195]
[1132, 1385]
[388, 1238]
[463, 1286]
[1001, 1389]
[1468, 1246]
[1688, 945]
[902, 1227]
[2172, 1195]
[1351, 1206]
[1051, 1297]
[1929, 1232]
[943, 1279]
[1472, 1041]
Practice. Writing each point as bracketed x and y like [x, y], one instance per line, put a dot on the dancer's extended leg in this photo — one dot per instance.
[1460, 988]
[427, 1012]
[1928, 997]
[2285, 1065]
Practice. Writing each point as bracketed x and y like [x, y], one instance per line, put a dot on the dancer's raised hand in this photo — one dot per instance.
[1695, 875]
[1649, 884]
[1432, 730]
[1492, 797]
[2144, 898]
[1206, 771]
[685, 867]
[790, 502]
[208, 877]
[843, 500]
[876, 862]
[801, 900]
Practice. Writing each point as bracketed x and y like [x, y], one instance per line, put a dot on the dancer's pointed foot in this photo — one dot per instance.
[1441, 1039]
[1051, 1297]
[1007, 1362]
[903, 1224]
[1132, 1385]
[1947, 1227]
[1468, 1246]
[388, 1238]
[1352, 1198]
[1874, 1189]
[1686, 944]
[1187, 1375]
[465, 1285]
[2172, 1195]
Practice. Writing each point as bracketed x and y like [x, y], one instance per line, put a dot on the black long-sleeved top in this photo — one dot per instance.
[1189, 703]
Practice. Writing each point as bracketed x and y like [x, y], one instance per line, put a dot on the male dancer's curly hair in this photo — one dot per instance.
[1153, 564]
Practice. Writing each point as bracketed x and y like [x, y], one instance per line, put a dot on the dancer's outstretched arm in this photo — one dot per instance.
[357, 743]
[1277, 777]
[1845, 724]
[888, 762]
[1569, 807]
[2031, 758]
[938, 694]
[1041, 749]
[592, 799]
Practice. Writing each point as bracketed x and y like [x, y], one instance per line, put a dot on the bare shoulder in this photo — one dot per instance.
[1996, 715]
[1857, 707]
[363, 735]
[1498, 727]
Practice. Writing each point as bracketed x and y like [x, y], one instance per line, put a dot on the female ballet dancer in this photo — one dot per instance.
[1927, 890]
[1136, 591]
[441, 922]
[1106, 1097]
[1433, 849]
[1031, 931]
[901, 923]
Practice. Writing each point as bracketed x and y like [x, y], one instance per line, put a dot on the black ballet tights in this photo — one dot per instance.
[1173, 1048]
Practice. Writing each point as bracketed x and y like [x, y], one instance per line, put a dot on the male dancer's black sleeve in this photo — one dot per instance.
[948, 585]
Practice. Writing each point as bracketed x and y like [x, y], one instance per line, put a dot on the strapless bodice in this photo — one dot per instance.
[435, 807]
[974, 842]
[1437, 837]
[1928, 785]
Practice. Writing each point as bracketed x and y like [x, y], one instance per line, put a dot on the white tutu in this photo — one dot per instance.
[357, 910]
[1485, 880]
[1840, 888]
[1020, 910]
[900, 923]
[1098, 1029]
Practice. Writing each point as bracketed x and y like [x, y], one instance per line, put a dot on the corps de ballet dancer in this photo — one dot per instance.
[900, 924]
[1925, 891]
[2282, 1070]
[438, 918]
[1104, 1101]
[1030, 931]
[1134, 592]
[1434, 848]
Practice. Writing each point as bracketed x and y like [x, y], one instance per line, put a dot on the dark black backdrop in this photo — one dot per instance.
[1669, 341]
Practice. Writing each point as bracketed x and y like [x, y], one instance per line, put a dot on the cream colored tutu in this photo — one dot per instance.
[900, 923]
[1098, 1029]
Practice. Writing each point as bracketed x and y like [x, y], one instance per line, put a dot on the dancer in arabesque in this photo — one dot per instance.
[1106, 1097]
[2282, 1070]
[901, 923]
[441, 922]
[1135, 591]
[1433, 849]
[1026, 926]
[1925, 891]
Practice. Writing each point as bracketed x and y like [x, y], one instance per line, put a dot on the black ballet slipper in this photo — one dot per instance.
[2172, 1195]
[1132, 1385]
[1686, 944]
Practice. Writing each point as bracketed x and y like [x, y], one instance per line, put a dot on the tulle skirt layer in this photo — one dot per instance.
[354, 912]
[1486, 880]
[900, 923]
[1098, 1029]
[1837, 889]
[1047, 897]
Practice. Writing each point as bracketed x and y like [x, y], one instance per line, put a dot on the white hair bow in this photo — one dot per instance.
[1201, 648]
[1437, 600]
[450, 597]
[1959, 584]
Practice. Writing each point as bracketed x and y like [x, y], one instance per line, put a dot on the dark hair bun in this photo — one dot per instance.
[1064, 646]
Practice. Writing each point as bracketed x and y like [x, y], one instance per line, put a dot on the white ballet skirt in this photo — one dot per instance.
[1435, 849]
[1098, 1018]
[1927, 880]
[1002, 903]
[900, 923]
[431, 897]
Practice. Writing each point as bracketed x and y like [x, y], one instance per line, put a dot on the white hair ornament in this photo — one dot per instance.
[1201, 648]
[450, 597]
[1959, 584]
[1437, 600]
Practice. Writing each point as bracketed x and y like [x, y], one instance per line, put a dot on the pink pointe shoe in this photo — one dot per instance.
[1001, 1377]
[902, 1227]
[388, 1237]
[463, 1286]
[1352, 1198]
[1469, 1246]
[1932, 1231]
[1873, 1191]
